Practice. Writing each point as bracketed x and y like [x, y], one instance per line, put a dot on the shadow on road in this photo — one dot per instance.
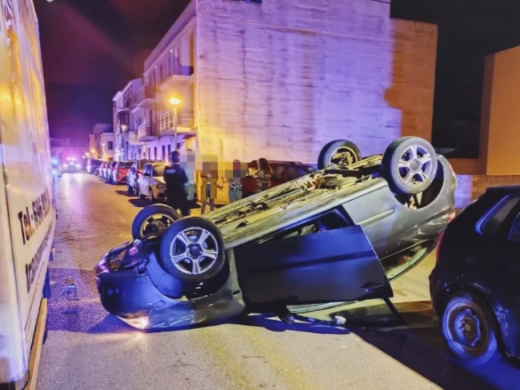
[124, 193]
[74, 306]
[419, 346]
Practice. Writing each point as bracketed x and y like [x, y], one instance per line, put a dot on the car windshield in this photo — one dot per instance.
[158, 170]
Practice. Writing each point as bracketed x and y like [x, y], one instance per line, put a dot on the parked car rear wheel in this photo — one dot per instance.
[337, 151]
[409, 165]
[192, 250]
[153, 219]
[469, 329]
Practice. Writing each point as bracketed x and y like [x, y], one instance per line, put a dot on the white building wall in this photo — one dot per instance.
[282, 78]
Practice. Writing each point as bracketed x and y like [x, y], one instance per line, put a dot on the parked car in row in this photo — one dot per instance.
[109, 171]
[120, 172]
[151, 183]
[134, 174]
[334, 235]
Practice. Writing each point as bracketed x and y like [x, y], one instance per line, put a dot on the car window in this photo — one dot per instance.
[277, 173]
[494, 219]
[147, 169]
[158, 170]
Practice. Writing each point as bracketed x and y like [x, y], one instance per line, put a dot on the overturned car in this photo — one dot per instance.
[339, 234]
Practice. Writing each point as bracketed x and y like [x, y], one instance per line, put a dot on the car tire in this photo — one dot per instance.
[192, 250]
[405, 161]
[463, 313]
[328, 152]
[153, 219]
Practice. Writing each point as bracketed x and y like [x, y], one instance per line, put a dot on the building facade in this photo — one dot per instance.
[102, 141]
[127, 147]
[281, 79]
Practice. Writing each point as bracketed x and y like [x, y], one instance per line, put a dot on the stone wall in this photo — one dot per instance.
[282, 78]
[470, 188]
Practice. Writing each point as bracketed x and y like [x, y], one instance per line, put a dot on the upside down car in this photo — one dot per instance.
[336, 235]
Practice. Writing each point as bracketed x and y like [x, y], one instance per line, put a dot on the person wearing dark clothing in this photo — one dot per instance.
[175, 179]
[249, 182]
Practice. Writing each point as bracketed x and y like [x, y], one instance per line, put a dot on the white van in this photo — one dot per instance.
[27, 210]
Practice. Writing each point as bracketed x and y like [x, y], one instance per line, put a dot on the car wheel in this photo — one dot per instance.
[409, 165]
[153, 219]
[469, 329]
[337, 151]
[192, 250]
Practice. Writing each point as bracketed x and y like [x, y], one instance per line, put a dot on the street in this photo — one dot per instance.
[89, 349]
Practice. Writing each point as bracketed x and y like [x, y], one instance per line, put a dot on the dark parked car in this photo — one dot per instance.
[473, 285]
[338, 234]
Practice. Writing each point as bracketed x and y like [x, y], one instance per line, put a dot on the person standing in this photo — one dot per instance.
[235, 183]
[263, 176]
[249, 182]
[209, 180]
[176, 179]
[190, 172]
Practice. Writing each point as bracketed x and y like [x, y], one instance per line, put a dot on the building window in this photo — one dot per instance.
[164, 153]
[169, 153]
[155, 153]
[149, 154]
[110, 145]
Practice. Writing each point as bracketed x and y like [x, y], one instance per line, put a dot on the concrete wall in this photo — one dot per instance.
[281, 79]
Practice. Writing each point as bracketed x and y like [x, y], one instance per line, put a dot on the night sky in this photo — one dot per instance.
[92, 48]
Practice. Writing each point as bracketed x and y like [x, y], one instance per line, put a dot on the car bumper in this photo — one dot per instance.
[131, 296]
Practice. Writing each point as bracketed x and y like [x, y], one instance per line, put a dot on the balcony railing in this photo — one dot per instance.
[145, 132]
[145, 92]
[167, 122]
[181, 70]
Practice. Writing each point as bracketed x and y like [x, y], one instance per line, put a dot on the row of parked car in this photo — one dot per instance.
[144, 178]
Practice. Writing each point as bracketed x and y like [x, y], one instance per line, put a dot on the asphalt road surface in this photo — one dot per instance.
[89, 349]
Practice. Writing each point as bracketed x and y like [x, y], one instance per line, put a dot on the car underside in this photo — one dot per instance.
[338, 234]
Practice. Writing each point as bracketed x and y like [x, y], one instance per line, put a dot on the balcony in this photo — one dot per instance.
[180, 75]
[133, 138]
[145, 133]
[185, 122]
[143, 98]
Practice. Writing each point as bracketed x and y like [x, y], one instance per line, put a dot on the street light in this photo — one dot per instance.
[175, 102]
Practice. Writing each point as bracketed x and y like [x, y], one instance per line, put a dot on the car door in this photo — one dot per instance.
[502, 272]
[334, 265]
